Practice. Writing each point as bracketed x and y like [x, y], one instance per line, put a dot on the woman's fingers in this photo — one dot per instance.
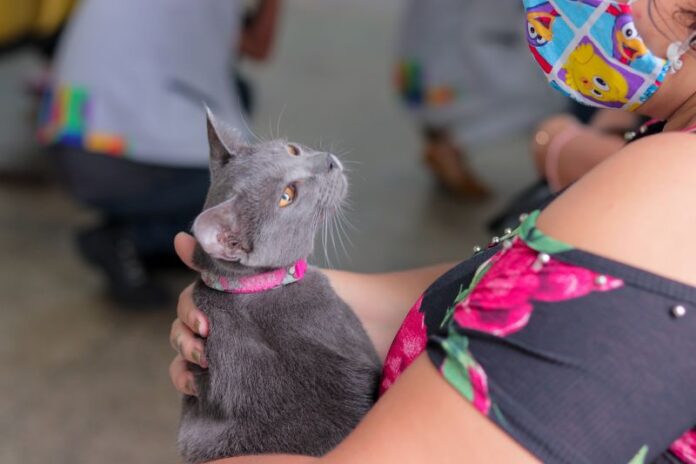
[187, 344]
[184, 244]
[190, 315]
[181, 377]
[189, 323]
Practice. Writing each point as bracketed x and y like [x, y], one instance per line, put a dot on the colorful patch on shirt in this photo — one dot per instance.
[64, 119]
[410, 81]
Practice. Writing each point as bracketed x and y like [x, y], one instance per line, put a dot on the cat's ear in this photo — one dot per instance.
[220, 234]
[225, 141]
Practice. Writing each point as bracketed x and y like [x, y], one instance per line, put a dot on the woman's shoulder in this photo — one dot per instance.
[685, 136]
[665, 146]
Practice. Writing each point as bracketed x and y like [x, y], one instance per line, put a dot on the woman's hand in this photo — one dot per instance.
[544, 135]
[189, 328]
[578, 150]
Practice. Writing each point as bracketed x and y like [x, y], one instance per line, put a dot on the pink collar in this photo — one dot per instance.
[256, 283]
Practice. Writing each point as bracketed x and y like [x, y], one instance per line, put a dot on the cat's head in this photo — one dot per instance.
[266, 200]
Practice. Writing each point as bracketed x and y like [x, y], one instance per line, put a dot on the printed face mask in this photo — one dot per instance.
[591, 51]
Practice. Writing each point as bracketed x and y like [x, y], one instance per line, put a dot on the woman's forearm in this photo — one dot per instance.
[584, 152]
[381, 301]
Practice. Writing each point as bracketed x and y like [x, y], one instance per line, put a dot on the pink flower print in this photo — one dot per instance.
[501, 303]
[685, 447]
[407, 345]
[479, 384]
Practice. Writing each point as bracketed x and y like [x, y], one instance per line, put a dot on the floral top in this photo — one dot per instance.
[544, 339]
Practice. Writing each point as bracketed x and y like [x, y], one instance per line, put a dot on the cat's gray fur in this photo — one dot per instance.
[291, 370]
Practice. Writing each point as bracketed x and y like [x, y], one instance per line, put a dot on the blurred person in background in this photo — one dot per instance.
[123, 113]
[450, 76]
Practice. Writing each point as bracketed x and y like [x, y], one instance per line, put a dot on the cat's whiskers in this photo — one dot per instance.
[246, 124]
[280, 117]
[326, 241]
[343, 223]
[332, 234]
[340, 232]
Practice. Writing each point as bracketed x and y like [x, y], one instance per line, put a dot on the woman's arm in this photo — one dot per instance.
[420, 419]
[381, 301]
[585, 146]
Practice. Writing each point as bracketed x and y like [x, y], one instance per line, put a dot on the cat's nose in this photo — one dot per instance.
[333, 162]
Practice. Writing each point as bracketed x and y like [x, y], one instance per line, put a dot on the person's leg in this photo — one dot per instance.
[143, 207]
[448, 163]
[154, 202]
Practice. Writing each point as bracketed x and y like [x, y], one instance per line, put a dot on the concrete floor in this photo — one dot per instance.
[85, 383]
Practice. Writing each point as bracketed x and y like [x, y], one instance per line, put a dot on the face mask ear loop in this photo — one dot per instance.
[678, 49]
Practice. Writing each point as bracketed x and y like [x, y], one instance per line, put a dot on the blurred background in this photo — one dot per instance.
[85, 313]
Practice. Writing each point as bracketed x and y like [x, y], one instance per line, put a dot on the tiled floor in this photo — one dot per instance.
[82, 382]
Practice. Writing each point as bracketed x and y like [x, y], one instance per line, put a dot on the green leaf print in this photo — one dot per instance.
[457, 363]
[640, 457]
[463, 293]
[537, 240]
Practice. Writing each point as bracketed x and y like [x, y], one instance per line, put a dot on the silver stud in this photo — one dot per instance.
[630, 135]
[601, 280]
[495, 240]
[507, 244]
[542, 258]
[477, 249]
[507, 231]
[643, 129]
[679, 311]
[523, 217]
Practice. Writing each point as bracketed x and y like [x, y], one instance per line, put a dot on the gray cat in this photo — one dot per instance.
[291, 369]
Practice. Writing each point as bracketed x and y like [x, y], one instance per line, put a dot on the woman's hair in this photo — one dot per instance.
[685, 15]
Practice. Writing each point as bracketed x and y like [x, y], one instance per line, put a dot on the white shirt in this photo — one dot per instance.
[132, 77]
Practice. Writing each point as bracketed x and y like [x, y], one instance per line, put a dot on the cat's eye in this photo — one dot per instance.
[293, 150]
[288, 196]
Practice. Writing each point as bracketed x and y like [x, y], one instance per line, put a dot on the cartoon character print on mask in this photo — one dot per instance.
[591, 51]
[628, 45]
[589, 73]
[540, 24]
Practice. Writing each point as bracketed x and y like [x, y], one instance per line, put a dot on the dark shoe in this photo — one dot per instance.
[111, 250]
